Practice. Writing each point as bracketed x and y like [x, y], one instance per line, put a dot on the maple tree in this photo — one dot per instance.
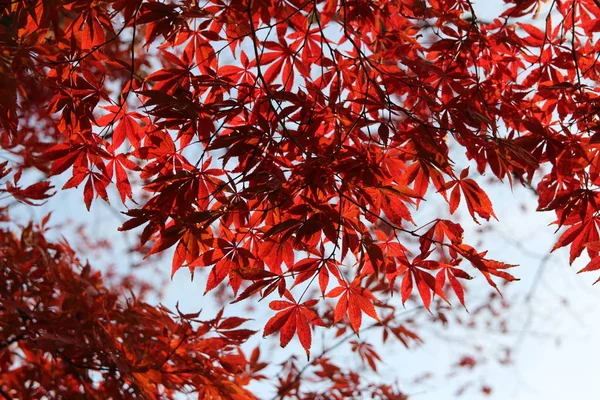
[76, 337]
[283, 150]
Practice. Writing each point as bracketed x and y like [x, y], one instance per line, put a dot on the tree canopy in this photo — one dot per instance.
[284, 150]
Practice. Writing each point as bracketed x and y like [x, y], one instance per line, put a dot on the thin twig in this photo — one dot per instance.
[5, 395]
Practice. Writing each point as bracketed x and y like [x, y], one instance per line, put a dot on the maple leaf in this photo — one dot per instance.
[367, 353]
[487, 267]
[477, 200]
[452, 274]
[293, 318]
[578, 235]
[229, 259]
[425, 286]
[354, 300]
[37, 191]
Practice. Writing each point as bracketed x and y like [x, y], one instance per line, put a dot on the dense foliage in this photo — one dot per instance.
[288, 149]
[72, 337]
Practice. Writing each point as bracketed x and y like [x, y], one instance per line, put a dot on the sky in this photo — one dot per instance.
[554, 325]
